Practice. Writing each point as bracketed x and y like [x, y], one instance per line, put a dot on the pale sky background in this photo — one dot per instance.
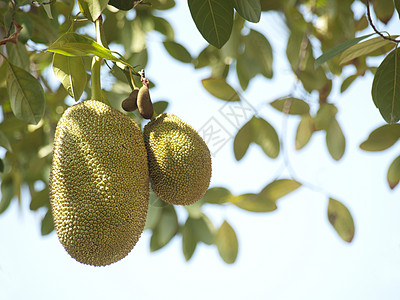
[292, 253]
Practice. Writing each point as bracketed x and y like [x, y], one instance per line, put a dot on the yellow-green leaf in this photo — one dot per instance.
[217, 195]
[242, 140]
[304, 131]
[47, 223]
[189, 240]
[166, 229]
[219, 88]
[254, 202]
[4, 142]
[382, 138]
[92, 9]
[279, 188]
[341, 220]
[227, 243]
[291, 106]
[203, 229]
[335, 140]
[393, 174]
[177, 51]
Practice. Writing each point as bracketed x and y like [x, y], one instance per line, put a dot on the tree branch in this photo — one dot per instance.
[374, 28]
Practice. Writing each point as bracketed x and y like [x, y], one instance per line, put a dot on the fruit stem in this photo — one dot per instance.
[96, 64]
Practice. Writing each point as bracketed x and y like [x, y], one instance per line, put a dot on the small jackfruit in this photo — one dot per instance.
[99, 183]
[179, 160]
[130, 103]
[144, 104]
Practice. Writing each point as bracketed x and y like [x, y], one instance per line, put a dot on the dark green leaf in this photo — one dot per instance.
[384, 10]
[347, 82]
[70, 71]
[393, 174]
[204, 229]
[217, 195]
[219, 88]
[165, 230]
[160, 107]
[177, 51]
[18, 56]
[39, 199]
[382, 138]
[7, 193]
[386, 87]
[341, 220]
[291, 106]
[189, 240]
[242, 140]
[259, 49]
[26, 95]
[4, 142]
[397, 5]
[121, 4]
[227, 243]
[254, 202]
[92, 9]
[248, 9]
[364, 48]
[335, 140]
[339, 49]
[213, 19]
[304, 131]
[1, 166]
[47, 223]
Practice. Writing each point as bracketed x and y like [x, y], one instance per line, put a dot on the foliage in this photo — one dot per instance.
[31, 106]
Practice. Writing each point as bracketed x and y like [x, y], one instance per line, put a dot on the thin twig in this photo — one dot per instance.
[374, 28]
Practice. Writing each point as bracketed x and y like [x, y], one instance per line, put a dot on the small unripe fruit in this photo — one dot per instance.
[144, 103]
[130, 103]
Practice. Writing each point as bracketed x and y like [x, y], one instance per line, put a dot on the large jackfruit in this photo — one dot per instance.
[99, 183]
[179, 160]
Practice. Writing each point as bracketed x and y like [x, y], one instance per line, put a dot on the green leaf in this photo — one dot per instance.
[217, 195]
[304, 131]
[4, 142]
[364, 48]
[1, 166]
[335, 140]
[7, 193]
[47, 223]
[204, 229]
[164, 27]
[242, 140]
[39, 199]
[393, 174]
[92, 9]
[47, 9]
[189, 240]
[291, 106]
[265, 136]
[325, 115]
[26, 95]
[386, 87]
[177, 51]
[160, 107]
[347, 82]
[384, 10]
[254, 202]
[18, 56]
[227, 243]
[166, 229]
[70, 71]
[121, 4]
[73, 44]
[279, 188]
[259, 50]
[219, 88]
[382, 138]
[397, 5]
[213, 19]
[341, 220]
[339, 49]
[248, 9]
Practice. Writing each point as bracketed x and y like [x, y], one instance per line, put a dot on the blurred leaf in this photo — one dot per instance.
[291, 106]
[160, 107]
[386, 87]
[162, 4]
[1, 166]
[364, 48]
[304, 131]
[384, 10]
[341, 219]
[44, 31]
[121, 4]
[203, 229]
[265, 136]
[165, 230]
[153, 217]
[213, 19]
[227, 243]
[164, 27]
[70, 71]
[259, 49]
[382, 138]
[26, 95]
[325, 115]
[217, 195]
[393, 174]
[18, 56]
[279, 188]
[4, 142]
[39, 199]
[47, 223]
[7, 193]
[92, 9]
[397, 5]
[189, 241]
[335, 140]
[248, 9]
[254, 202]
[47, 9]
[242, 140]
[219, 88]
[347, 82]
[339, 49]
[177, 51]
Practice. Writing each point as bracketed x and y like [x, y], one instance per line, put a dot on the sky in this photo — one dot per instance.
[291, 253]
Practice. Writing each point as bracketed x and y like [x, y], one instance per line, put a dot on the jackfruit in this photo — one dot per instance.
[99, 183]
[144, 104]
[179, 160]
[130, 103]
